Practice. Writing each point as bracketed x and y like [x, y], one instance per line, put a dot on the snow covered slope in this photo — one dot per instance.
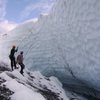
[66, 43]
[31, 86]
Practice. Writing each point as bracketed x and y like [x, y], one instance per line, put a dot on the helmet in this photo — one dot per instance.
[21, 52]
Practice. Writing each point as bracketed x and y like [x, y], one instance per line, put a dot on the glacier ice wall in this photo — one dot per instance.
[64, 42]
[74, 28]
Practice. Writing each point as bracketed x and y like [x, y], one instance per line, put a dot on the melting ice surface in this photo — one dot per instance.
[66, 43]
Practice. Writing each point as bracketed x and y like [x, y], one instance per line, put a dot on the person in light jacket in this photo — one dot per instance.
[20, 61]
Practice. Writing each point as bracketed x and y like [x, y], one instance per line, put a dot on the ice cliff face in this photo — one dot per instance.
[65, 43]
[74, 28]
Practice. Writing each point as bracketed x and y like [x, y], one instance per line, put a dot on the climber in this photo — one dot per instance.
[20, 62]
[12, 56]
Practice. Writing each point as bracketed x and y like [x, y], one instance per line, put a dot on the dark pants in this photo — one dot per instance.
[13, 63]
[22, 67]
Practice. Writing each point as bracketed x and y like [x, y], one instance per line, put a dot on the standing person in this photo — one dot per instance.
[20, 62]
[12, 56]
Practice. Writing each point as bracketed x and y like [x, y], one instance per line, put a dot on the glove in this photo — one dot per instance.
[17, 49]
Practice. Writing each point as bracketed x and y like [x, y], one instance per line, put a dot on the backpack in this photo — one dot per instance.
[9, 56]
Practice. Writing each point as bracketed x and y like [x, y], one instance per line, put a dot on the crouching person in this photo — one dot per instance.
[20, 62]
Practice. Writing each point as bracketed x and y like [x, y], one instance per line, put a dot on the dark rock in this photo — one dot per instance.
[5, 93]
[4, 67]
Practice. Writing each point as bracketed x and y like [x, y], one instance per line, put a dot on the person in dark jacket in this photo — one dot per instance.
[12, 57]
[20, 62]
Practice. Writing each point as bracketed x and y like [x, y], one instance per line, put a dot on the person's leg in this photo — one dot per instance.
[22, 67]
[12, 64]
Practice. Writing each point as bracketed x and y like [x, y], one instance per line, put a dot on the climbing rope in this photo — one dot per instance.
[25, 37]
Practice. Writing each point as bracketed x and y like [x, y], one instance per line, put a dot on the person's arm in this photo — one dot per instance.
[22, 58]
[16, 49]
